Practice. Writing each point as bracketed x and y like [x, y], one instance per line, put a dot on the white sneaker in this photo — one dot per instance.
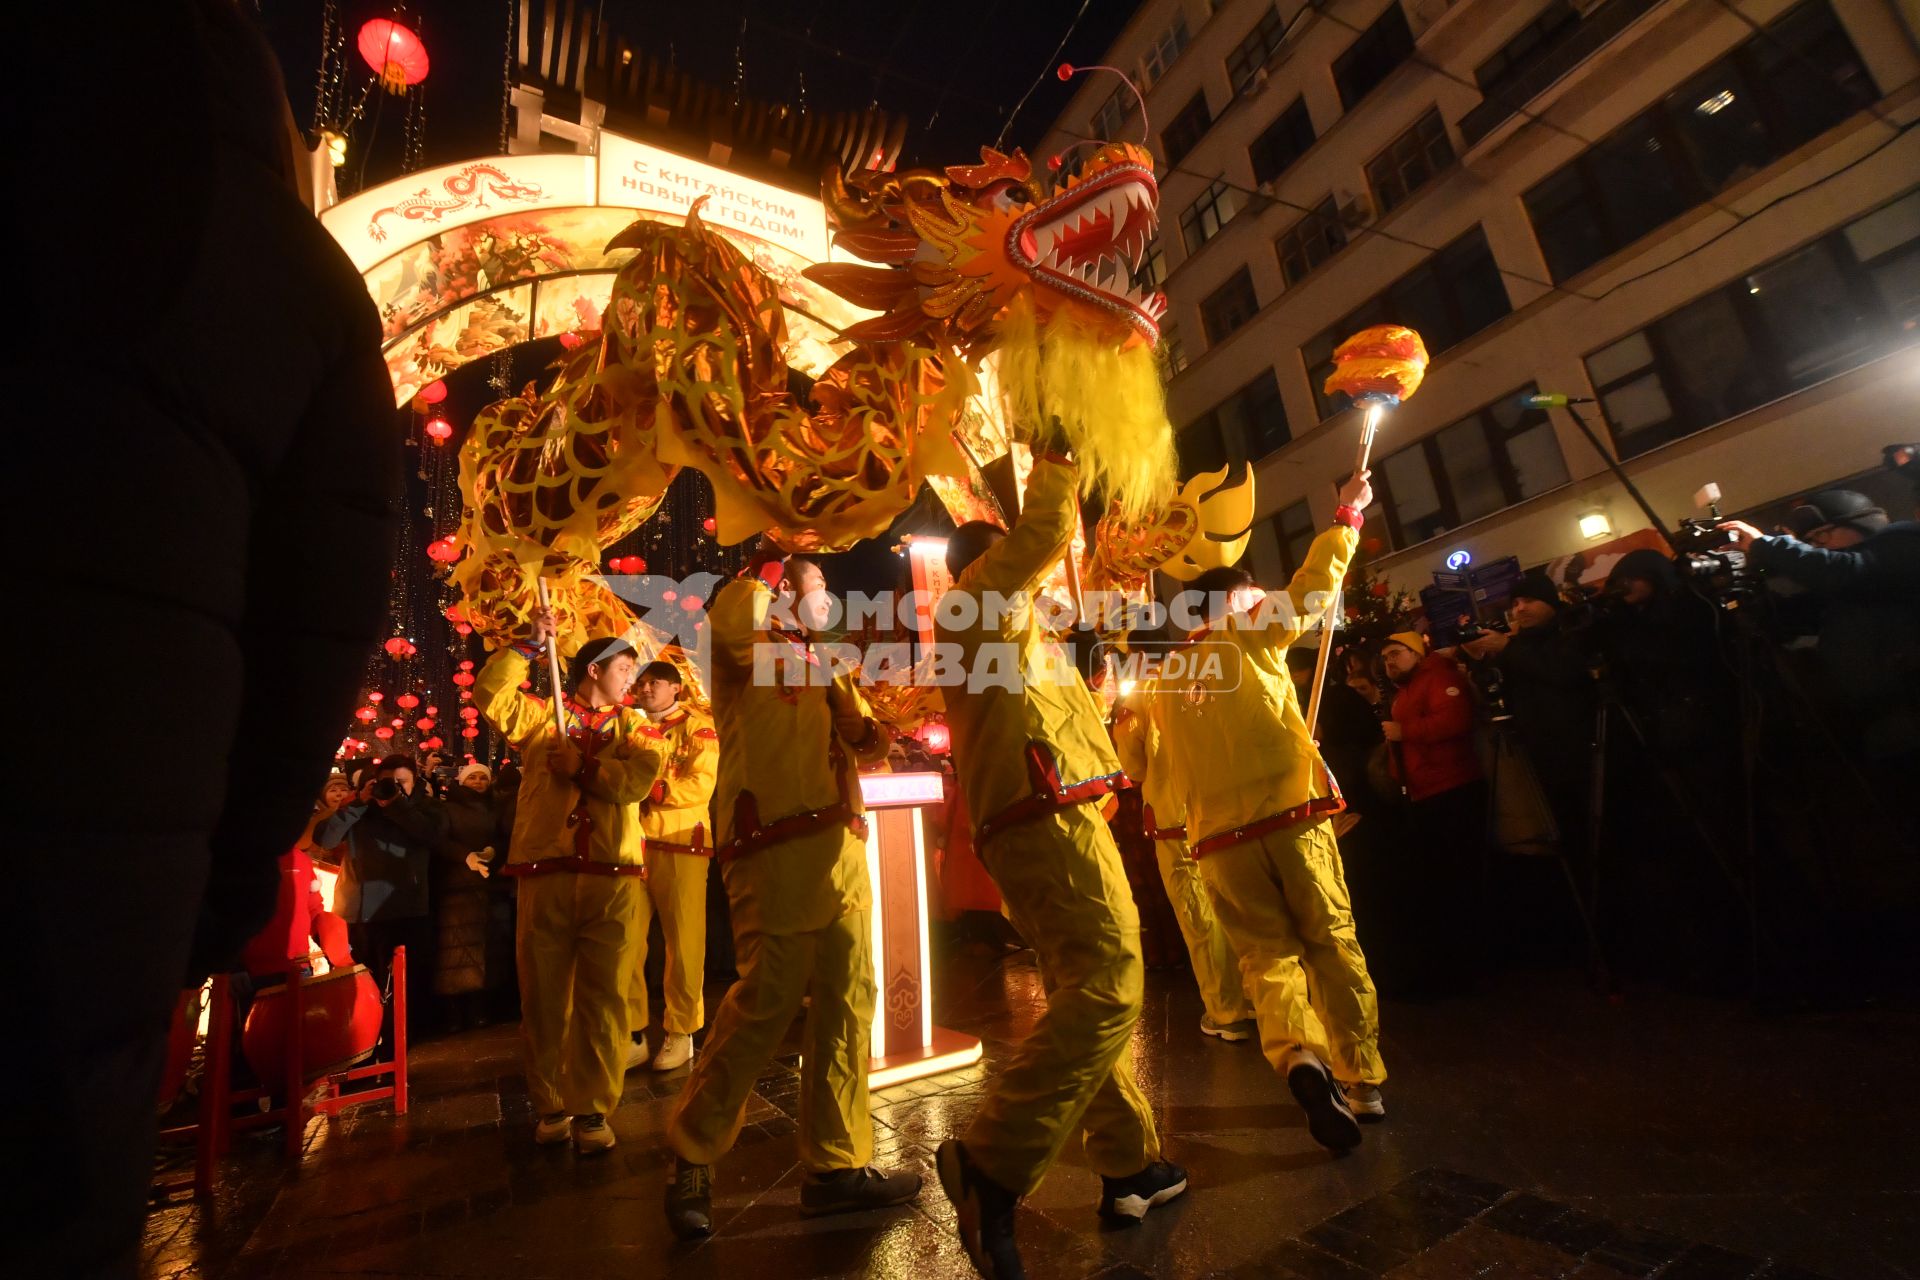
[592, 1134]
[553, 1128]
[637, 1055]
[1365, 1100]
[676, 1051]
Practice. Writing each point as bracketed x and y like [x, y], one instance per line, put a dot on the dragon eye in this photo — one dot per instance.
[1018, 193]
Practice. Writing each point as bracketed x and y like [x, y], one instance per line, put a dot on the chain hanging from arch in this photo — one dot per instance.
[506, 84]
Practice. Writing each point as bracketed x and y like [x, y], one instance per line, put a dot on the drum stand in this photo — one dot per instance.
[212, 1134]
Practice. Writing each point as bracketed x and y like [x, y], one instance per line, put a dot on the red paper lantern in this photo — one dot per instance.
[376, 696]
[707, 524]
[394, 52]
[467, 664]
[936, 737]
[691, 604]
[397, 722]
[1378, 590]
[439, 428]
[397, 646]
[466, 694]
[669, 596]
[383, 733]
[406, 701]
[462, 678]
[432, 710]
[469, 713]
[434, 392]
[469, 732]
[1370, 545]
[424, 724]
[463, 628]
[444, 551]
[364, 715]
[433, 743]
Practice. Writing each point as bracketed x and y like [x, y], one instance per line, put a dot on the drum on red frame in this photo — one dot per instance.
[341, 1028]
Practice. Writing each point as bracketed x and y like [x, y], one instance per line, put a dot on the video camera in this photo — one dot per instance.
[1704, 558]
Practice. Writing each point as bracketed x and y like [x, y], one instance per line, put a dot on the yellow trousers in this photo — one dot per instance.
[834, 965]
[677, 893]
[1283, 900]
[1214, 967]
[1066, 892]
[577, 942]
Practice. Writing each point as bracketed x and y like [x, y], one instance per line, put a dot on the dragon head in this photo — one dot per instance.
[964, 247]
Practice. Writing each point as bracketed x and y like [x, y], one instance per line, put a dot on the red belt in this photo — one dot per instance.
[572, 862]
[1266, 826]
[1160, 833]
[1049, 793]
[750, 837]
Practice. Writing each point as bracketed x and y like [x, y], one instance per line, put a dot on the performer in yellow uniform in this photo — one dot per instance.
[792, 844]
[674, 820]
[577, 856]
[1259, 803]
[1142, 749]
[1032, 751]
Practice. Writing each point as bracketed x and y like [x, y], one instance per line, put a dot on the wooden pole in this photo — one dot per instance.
[553, 663]
[1369, 428]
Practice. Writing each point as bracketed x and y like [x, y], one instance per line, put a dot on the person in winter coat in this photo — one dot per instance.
[224, 462]
[391, 831]
[1437, 890]
[461, 896]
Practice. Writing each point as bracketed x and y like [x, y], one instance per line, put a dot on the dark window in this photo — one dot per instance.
[1847, 298]
[1410, 162]
[1173, 352]
[1527, 47]
[1210, 212]
[1251, 54]
[1113, 114]
[1152, 271]
[1487, 461]
[1284, 141]
[1311, 241]
[1293, 533]
[1373, 55]
[1252, 419]
[1161, 53]
[1228, 307]
[1448, 298]
[1726, 123]
[1199, 446]
[1184, 131]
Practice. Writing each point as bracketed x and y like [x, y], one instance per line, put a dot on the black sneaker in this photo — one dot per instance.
[1129, 1199]
[690, 1200]
[985, 1212]
[851, 1190]
[1329, 1118]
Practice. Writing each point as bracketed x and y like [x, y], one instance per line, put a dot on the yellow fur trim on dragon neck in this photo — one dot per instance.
[1106, 397]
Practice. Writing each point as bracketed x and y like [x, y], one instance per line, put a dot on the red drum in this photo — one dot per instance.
[343, 1014]
[180, 1037]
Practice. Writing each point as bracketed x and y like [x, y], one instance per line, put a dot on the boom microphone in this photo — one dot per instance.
[1552, 400]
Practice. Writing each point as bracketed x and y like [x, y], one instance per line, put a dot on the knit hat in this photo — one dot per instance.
[1412, 639]
[472, 767]
[1841, 507]
[1538, 586]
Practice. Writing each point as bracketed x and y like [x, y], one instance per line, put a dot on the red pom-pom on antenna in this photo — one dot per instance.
[1054, 162]
[1066, 71]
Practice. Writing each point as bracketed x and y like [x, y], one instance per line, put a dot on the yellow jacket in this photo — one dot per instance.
[675, 813]
[1142, 748]
[1027, 734]
[796, 858]
[622, 755]
[1236, 742]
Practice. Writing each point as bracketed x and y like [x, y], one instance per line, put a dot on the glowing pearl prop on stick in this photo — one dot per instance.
[1378, 368]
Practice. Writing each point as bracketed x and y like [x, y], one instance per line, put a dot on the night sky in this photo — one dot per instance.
[954, 70]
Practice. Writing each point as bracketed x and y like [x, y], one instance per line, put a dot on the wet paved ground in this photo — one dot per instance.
[1536, 1131]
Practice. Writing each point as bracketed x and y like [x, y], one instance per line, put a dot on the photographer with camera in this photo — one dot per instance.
[1862, 573]
[1543, 671]
[391, 831]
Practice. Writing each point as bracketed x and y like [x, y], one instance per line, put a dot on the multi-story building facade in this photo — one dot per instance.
[1702, 214]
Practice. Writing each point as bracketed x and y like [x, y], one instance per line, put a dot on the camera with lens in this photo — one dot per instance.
[1471, 629]
[386, 789]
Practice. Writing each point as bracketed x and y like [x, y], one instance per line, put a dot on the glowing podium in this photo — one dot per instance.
[906, 1045]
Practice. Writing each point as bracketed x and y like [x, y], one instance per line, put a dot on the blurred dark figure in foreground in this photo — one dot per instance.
[215, 504]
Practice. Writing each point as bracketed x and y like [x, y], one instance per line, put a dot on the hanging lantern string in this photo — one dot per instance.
[506, 84]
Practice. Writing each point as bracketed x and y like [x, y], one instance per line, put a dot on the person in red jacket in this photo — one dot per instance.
[1431, 736]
